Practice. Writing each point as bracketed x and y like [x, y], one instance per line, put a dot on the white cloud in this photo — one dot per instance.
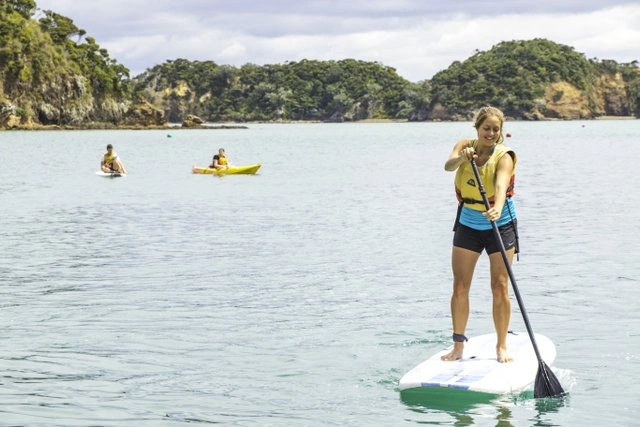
[234, 52]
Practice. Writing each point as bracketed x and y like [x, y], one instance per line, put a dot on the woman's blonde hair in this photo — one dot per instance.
[486, 111]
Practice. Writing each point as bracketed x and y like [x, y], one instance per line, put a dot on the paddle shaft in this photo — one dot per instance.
[496, 233]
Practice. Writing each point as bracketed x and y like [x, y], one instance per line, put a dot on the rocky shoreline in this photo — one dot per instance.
[192, 122]
[103, 126]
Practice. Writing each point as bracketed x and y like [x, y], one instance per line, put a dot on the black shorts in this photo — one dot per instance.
[477, 240]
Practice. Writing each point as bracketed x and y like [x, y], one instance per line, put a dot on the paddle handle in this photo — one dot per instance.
[496, 233]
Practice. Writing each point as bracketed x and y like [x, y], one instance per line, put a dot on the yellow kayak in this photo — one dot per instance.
[231, 170]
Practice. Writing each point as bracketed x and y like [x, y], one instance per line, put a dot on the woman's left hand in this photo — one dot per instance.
[492, 214]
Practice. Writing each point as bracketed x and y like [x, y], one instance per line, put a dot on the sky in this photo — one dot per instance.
[416, 37]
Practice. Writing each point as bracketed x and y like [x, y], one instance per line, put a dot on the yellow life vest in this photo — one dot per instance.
[467, 190]
[222, 160]
[109, 158]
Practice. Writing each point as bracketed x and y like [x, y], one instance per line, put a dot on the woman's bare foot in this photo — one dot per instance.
[455, 354]
[502, 355]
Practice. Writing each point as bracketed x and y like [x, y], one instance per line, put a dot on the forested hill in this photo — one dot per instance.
[53, 73]
[537, 79]
[304, 90]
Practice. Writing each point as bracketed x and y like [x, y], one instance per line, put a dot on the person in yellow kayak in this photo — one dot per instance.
[111, 162]
[219, 160]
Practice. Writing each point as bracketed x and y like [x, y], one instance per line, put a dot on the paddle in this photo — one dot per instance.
[546, 383]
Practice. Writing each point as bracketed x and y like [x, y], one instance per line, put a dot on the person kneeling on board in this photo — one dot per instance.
[219, 160]
[111, 162]
[473, 227]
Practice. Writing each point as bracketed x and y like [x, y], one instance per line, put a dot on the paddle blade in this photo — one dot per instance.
[546, 384]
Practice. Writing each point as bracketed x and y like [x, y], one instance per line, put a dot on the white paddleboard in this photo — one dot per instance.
[111, 174]
[479, 370]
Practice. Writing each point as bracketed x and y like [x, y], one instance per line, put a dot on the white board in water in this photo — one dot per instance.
[110, 174]
[479, 370]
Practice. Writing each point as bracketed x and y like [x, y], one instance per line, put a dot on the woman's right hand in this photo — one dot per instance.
[467, 153]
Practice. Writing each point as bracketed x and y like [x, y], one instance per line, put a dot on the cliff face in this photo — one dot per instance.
[564, 101]
[69, 104]
[610, 96]
[71, 100]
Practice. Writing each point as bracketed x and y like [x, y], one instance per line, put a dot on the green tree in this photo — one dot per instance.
[26, 8]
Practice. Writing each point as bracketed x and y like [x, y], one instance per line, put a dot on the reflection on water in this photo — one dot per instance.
[469, 408]
[547, 406]
[463, 407]
[446, 399]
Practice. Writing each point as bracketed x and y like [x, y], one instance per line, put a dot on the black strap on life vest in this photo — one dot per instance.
[515, 231]
[455, 224]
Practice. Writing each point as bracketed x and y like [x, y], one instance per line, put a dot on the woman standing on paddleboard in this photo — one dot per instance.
[473, 229]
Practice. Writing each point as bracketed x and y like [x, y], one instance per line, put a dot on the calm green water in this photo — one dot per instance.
[301, 295]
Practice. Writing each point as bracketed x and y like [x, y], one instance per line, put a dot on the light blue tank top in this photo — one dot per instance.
[474, 219]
